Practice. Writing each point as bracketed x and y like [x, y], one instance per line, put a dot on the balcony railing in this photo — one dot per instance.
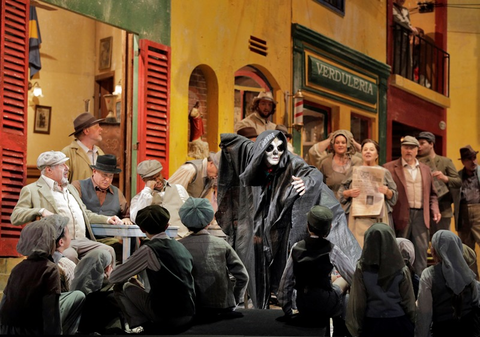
[420, 60]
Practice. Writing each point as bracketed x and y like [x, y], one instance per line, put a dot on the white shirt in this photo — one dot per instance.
[91, 154]
[411, 169]
[68, 207]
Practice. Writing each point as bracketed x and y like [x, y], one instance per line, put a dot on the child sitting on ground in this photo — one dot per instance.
[217, 294]
[309, 270]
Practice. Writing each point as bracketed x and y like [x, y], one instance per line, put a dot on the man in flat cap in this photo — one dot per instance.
[263, 106]
[52, 194]
[445, 179]
[84, 150]
[469, 210]
[169, 300]
[158, 191]
[417, 200]
[212, 257]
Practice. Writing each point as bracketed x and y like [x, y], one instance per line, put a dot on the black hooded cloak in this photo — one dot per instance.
[262, 213]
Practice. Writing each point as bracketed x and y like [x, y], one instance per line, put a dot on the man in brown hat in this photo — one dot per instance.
[417, 200]
[84, 150]
[263, 107]
[469, 213]
[445, 179]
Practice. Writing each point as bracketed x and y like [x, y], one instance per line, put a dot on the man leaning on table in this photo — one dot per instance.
[52, 194]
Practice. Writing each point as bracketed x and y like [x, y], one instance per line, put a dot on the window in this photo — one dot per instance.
[360, 127]
[336, 5]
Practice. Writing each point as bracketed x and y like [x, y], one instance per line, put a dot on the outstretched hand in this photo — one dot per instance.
[298, 185]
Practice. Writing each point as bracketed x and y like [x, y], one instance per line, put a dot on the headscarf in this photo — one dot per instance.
[456, 272]
[381, 252]
[90, 271]
[406, 249]
[351, 150]
[38, 238]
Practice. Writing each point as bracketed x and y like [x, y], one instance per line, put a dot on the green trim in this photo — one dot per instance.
[306, 40]
[133, 180]
[150, 19]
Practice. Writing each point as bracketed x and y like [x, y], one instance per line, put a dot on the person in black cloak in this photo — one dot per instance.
[264, 195]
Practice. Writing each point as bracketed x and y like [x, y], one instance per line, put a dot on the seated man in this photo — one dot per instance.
[215, 264]
[100, 196]
[158, 191]
[52, 194]
[170, 301]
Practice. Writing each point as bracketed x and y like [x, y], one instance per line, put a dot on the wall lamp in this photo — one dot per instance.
[118, 88]
[37, 91]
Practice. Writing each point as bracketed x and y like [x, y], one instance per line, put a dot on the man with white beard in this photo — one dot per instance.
[52, 194]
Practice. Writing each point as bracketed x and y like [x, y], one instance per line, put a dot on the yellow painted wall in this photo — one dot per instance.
[215, 34]
[463, 39]
[363, 27]
[69, 56]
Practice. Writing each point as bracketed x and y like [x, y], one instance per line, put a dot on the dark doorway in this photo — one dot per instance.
[103, 86]
[400, 130]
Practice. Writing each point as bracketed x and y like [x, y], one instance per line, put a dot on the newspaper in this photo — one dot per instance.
[370, 201]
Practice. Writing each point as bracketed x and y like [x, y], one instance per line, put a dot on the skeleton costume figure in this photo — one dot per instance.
[264, 194]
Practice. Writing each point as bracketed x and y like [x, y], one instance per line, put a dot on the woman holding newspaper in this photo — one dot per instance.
[368, 193]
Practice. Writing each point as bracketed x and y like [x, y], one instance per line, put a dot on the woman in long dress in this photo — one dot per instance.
[359, 224]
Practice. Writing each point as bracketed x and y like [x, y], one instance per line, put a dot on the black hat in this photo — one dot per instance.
[467, 152]
[106, 163]
[153, 219]
[83, 121]
[428, 136]
[320, 219]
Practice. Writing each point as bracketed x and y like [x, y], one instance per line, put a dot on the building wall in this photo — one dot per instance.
[216, 38]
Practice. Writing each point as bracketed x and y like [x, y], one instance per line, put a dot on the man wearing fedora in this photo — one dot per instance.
[84, 150]
[263, 106]
[158, 191]
[469, 210]
[445, 179]
[98, 193]
[417, 200]
[52, 194]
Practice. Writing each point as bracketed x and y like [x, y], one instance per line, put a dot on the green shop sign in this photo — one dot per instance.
[337, 80]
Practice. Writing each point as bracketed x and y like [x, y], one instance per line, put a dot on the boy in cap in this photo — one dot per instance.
[158, 191]
[217, 295]
[170, 300]
[309, 272]
[84, 150]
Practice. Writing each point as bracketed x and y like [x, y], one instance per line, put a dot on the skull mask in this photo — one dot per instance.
[274, 152]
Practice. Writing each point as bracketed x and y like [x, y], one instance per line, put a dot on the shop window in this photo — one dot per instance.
[315, 121]
[361, 127]
[336, 5]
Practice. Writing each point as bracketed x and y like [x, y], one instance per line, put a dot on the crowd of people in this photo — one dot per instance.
[339, 237]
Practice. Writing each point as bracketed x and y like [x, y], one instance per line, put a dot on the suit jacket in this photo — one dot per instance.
[445, 165]
[401, 210]
[79, 163]
[38, 195]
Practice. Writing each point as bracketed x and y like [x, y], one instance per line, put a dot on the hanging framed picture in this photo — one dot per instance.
[43, 115]
[105, 54]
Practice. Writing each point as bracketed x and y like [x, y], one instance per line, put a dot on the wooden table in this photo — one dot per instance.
[126, 232]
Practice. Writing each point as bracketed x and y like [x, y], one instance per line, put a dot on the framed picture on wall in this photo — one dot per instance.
[43, 115]
[105, 55]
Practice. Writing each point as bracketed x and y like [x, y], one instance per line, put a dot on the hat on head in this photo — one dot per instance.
[51, 158]
[409, 140]
[215, 158]
[153, 219]
[83, 121]
[467, 152]
[247, 132]
[196, 213]
[265, 95]
[320, 219]
[428, 136]
[106, 163]
[148, 168]
[284, 129]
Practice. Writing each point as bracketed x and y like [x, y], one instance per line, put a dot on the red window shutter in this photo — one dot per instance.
[14, 18]
[153, 103]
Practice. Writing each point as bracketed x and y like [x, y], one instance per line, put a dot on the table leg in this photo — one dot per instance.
[126, 249]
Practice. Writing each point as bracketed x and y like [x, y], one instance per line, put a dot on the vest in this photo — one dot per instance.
[172, 202]
[110, 207]
[172, 291]
[197, 185]
[443, 297]
[311, 264]
[414, 189]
